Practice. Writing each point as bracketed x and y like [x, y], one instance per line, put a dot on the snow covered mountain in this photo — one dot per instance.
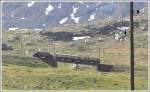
[39, 15]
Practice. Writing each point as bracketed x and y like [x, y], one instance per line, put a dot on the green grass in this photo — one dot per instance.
[21, 77]
[23, 61]
[30, 73]
[19, 74]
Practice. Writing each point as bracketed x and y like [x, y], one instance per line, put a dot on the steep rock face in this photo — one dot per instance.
[44, 14]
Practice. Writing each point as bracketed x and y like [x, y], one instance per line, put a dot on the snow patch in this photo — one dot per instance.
[12, 29]
[24, 29]
[76, 19]
[123, 28]
[81, 2]
[23, 18]
[43, 25]
[31, 3]
[49, 9]
[87, 6]
[59, 6]
[142, 10]
[109, 17]
[99, 2]
[92, 17]
[74, 9]
[79, 38]
[38, 29]
[11, 15]
[63, 20]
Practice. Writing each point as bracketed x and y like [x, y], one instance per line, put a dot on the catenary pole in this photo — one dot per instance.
[131, 46]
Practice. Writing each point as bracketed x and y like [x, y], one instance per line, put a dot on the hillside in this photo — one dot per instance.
[24, 15]
[27, 72]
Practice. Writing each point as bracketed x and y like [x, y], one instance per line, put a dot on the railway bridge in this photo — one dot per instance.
[53, 59]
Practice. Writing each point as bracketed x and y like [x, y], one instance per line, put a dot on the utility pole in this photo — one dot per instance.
[21, 48]
[49, 48]
[131, 46]
[21, 45]
[54, 48]
[99, 54]
[103, 54]
[49, 45]
[99, 50]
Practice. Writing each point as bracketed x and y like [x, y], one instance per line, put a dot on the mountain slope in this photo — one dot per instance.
[29, 15]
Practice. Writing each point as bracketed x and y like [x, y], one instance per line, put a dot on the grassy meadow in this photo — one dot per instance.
[27, 72]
